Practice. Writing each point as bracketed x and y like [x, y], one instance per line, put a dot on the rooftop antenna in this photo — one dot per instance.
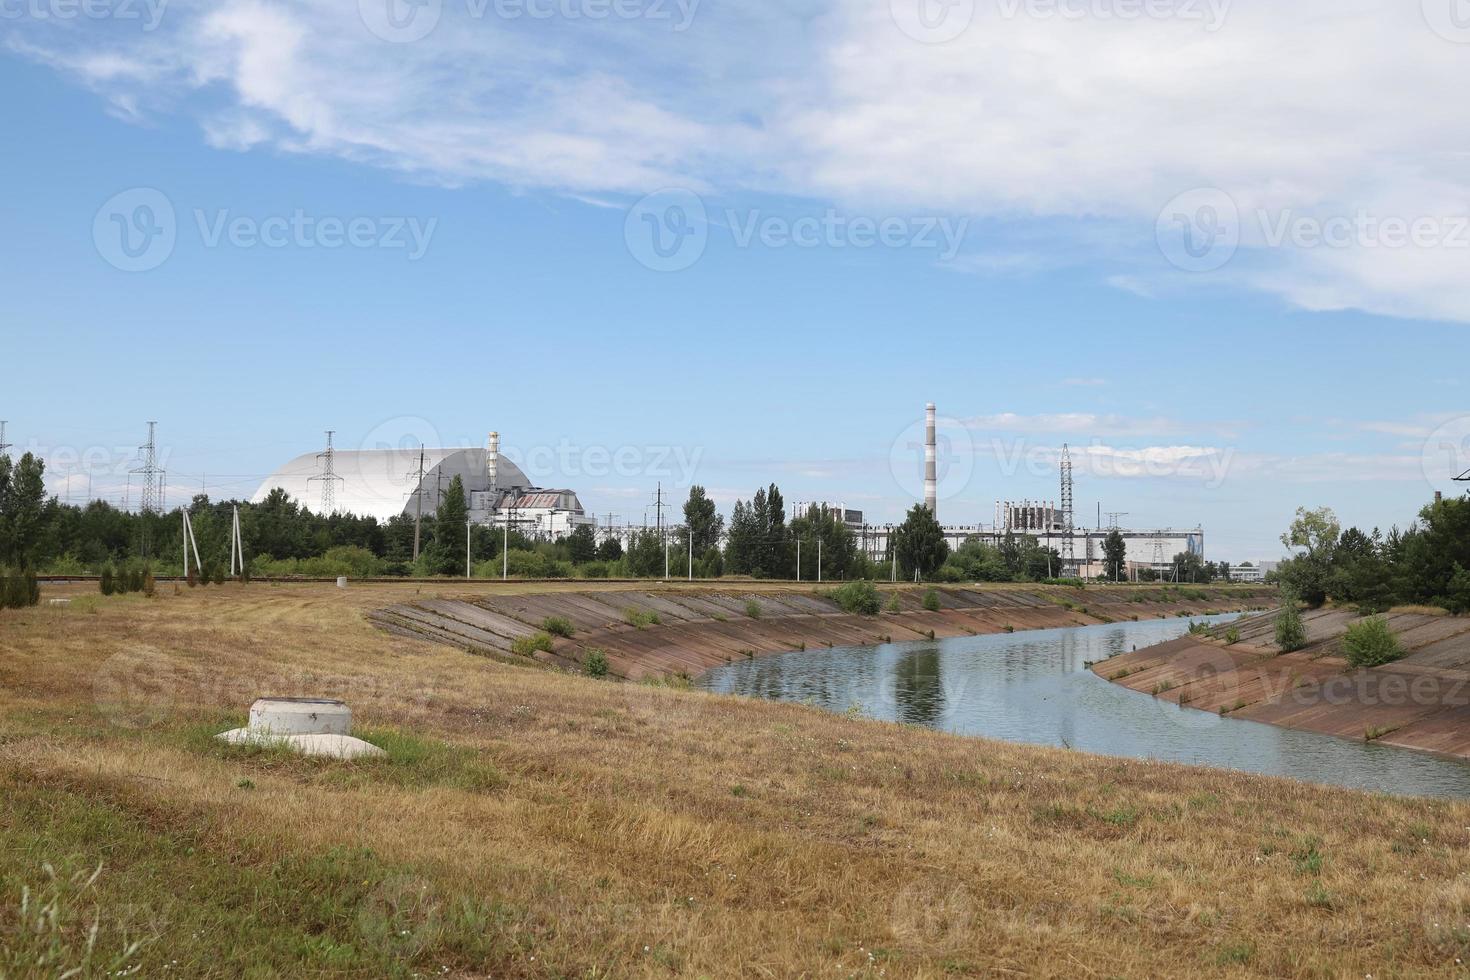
[328, 478]
[1068, 554]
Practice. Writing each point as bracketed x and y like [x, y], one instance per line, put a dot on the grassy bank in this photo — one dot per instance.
[533, 824]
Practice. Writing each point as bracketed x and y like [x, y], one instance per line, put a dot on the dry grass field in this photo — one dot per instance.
[537, 824]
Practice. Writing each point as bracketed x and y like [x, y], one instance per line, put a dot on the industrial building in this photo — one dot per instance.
[387, 483]
[1052, 523]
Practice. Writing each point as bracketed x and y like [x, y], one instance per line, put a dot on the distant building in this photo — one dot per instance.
[386, 483]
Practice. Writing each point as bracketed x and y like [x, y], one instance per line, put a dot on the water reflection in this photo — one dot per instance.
[1035, 687]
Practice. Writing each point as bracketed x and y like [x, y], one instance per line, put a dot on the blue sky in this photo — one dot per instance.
[1030, 282]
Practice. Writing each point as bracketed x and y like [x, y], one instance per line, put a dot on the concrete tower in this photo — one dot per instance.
[931, 462]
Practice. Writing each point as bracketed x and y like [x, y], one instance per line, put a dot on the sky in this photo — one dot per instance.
[1218, 248]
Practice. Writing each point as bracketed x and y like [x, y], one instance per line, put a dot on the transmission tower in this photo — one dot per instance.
[1113, 516]
[151, 476]
[328, 478]
[1069, 556]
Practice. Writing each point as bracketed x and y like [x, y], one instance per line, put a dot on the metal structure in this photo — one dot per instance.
[1069, 526]
[328, 477]
[931, 460]
[3, 444]
[152, 474]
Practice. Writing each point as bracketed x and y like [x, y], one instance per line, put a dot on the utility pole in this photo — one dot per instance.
[798, 559]
[418, 519]
[691, 554]
[467, 525]
[819, 561]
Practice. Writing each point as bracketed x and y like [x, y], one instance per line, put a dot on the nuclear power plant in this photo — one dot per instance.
[411, 482]
[1051, 522]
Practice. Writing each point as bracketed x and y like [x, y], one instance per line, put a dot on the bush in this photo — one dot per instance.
[1371, 643]
[149, 586]
[1232, 636]
[596, 569]
[1291, 634]
[527, 646]
[752, 609]
[859, 598]
[640, 618]
[19, 590]
[893, 604]
[596, 664]
[106, 584]
[557, 626]
[931, 600]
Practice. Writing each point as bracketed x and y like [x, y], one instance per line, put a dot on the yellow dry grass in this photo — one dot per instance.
[587, 829]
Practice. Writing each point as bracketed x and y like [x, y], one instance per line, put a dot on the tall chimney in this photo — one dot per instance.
[931, 462]
[492, 461]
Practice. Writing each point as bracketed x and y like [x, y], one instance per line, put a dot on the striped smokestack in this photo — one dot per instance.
[931, 462]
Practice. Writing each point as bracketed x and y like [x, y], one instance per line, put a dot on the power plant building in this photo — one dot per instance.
[386, 483]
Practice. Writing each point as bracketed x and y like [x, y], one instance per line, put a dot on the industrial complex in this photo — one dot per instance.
[388, 483]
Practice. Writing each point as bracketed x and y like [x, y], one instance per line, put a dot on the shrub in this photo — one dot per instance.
[149, 586]
[1291, 634]
[527, 646]
[1371, 643]
[893, 603]
[931, 600]
[596, 664]
[640, 618]
[1232, 636]
[557, 626]
[752, 609]
[106, 584]
[595, 570]
[859, 598]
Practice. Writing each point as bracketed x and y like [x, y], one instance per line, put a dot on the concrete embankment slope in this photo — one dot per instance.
[701, 628]
[1420, 702]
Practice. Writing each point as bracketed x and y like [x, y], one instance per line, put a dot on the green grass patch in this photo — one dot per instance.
[526, 646]
[641, 618]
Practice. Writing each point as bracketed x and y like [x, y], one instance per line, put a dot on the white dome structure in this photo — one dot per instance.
[382, 483]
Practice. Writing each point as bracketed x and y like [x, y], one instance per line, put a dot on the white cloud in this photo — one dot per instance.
[1080, 127]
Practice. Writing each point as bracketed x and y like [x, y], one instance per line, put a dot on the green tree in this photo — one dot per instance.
[703, 521]
[611, 549]
[445, 554]
[22, 503]
[1115, 556]
[582, 544]
[1316, 533]
[919, 543]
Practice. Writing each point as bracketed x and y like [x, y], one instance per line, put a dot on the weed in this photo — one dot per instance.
[1371, 643]
[931, 600]
[752, 609]
[1306, 857]
[858, 597]
[529, 646]
[641, 618]
[557, 626]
